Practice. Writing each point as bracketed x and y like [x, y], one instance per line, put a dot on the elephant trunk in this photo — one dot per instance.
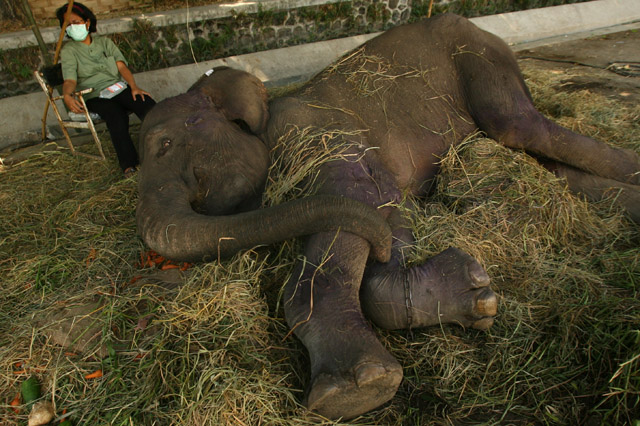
[169, 225]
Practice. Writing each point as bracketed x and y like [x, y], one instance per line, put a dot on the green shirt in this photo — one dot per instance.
[93, 65]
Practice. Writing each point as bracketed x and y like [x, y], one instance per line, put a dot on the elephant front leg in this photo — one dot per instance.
[351, 372]
[451, 287]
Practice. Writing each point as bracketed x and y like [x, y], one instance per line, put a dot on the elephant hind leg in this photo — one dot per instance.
[596, 188]
[529, 130]
[501, 106]
[451, 287]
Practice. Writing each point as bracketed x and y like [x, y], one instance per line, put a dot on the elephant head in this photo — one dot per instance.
[202, 173]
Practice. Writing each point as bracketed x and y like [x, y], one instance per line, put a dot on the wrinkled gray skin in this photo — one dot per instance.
[205, 159]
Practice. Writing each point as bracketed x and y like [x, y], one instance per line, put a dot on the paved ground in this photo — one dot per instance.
[607, 64]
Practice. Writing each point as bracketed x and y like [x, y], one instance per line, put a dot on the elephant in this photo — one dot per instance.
[393, 108]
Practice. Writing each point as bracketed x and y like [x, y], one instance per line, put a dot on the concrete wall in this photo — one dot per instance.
[20, 116]
[160, 19]
[198, 34]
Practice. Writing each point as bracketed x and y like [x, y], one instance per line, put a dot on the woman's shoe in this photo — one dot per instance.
[130, 172]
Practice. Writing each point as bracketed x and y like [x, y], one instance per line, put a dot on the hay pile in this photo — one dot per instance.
[208, 346]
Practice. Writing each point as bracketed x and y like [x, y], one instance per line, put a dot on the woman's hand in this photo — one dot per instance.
[136, 91]
[128, 77]
[73, 104]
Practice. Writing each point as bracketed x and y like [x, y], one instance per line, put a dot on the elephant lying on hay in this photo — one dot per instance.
[387, 113]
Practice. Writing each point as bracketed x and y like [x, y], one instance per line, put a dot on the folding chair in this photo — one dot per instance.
[87, 119]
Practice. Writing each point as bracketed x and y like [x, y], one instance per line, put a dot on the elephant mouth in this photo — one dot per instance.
[226, 194]
[213, 208]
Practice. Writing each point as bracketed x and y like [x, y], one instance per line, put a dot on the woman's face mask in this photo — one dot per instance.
[78, 32]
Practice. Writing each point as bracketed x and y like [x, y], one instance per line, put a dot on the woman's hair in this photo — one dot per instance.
[82, 11]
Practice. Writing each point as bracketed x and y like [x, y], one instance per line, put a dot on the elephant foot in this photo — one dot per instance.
[351, 372]
[451, 287]
[361, 389]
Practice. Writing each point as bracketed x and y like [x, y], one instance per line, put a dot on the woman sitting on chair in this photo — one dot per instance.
[91, 61]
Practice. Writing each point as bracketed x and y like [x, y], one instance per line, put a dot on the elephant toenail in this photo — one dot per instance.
[486, 303]
[368, 373]
[478, 275]
[483, 324]
[324, 387]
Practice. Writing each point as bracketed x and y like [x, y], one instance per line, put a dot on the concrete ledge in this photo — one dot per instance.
[276, 68]
[537, 24]
[20, 116]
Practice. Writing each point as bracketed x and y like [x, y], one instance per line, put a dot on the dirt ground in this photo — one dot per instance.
[607, 64]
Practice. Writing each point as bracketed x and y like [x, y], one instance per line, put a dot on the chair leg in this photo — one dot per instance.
[44, 120]
[68, 137]
[54, 107]
[97, 141]
[51, 102]
[92, 128]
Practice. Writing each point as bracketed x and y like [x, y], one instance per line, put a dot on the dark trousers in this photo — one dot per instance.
[115, 112]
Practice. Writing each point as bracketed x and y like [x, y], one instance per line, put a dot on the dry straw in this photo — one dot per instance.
[208, 346]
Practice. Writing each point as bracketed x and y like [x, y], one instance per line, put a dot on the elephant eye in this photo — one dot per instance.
[164, 147]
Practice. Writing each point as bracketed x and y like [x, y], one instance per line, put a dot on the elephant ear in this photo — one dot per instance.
[239, 95]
